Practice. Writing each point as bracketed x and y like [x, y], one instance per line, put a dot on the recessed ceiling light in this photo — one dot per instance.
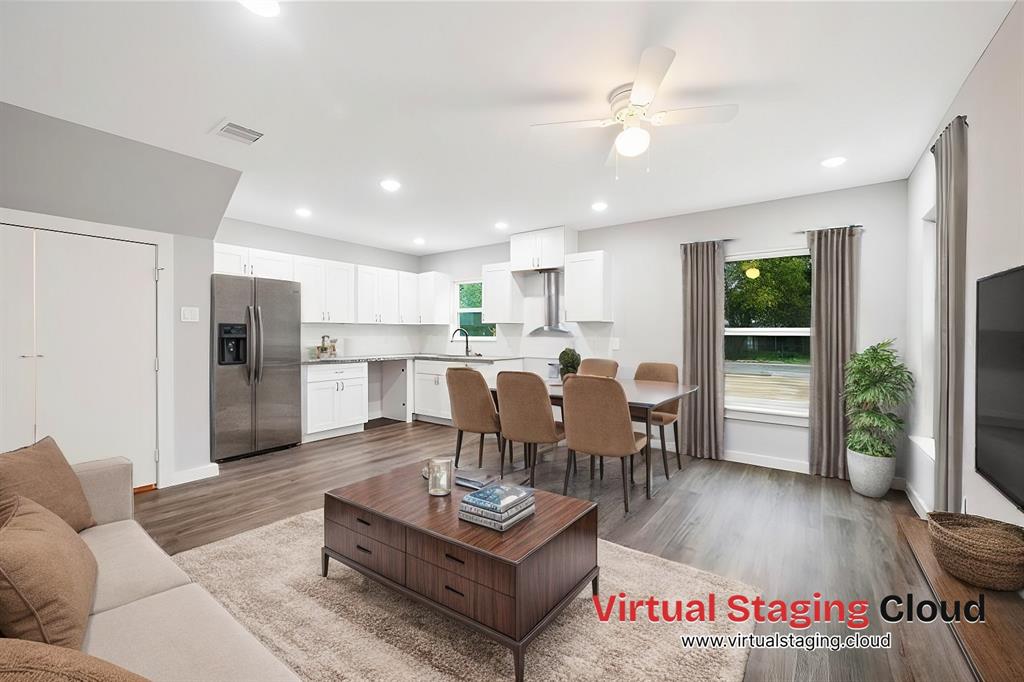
[303, 212]
[419, 241]
[599, 206]
[501, 226]
[263, 8]
[390, 185]
[834, 162]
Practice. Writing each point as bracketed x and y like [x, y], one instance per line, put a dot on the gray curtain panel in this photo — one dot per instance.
[833, 318]
[950, 152]
[703, 413]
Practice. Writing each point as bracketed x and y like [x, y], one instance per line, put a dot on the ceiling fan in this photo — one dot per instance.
[631, 108]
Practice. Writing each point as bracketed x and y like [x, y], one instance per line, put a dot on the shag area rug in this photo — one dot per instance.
[347, 627]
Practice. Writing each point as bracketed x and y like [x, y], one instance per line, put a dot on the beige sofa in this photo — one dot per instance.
[148, 616]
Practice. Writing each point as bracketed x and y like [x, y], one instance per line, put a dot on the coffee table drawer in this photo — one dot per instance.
[479, 568]
[374, 555]
[486, 606]
[365, 523]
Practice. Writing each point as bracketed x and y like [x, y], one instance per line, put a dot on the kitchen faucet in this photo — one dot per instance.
[466, 334]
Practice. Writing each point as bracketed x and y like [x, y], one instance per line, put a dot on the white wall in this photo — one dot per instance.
[992, 98]
[648, 297]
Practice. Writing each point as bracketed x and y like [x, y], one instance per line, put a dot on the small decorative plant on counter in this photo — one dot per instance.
[568, 362]
[877, 384]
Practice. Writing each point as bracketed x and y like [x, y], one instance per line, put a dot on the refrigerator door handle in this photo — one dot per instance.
[259, 345]
[250, 343]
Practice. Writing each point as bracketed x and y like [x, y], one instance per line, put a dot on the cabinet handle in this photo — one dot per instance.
[343, 385]
[362, 521]
[328, 315]
[452, 589]
[335, 386]
[453, 558]
[363, 549]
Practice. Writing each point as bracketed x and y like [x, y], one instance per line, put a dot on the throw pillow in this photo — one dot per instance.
[40, 473]
[24, 661]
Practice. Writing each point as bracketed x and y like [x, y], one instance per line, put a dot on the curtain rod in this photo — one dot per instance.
[817, 229]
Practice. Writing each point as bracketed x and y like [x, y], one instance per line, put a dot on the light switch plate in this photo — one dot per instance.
[615, 343]
[189, 313]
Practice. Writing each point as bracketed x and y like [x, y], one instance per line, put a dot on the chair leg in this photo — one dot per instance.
[533, 465]
[631, 468]
[573, 462]
[458, 447]
[679, 456]
[600, 461]
[501, 455]
[625, 486]
[480, 458]
[569, 458]
[591, 467]
[664, 452]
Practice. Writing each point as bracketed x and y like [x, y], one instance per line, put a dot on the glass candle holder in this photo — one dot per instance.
[439, 476]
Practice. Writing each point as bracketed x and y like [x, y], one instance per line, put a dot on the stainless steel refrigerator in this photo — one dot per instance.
[255, 378]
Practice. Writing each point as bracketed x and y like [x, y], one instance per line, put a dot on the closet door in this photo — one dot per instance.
[17, 339]
[96, 331]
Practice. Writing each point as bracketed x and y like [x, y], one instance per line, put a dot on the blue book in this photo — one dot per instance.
[498, 497]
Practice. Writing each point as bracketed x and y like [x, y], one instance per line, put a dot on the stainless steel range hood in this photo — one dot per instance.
[552, 320]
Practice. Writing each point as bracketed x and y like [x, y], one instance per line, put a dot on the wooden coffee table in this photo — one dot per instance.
[507, 586]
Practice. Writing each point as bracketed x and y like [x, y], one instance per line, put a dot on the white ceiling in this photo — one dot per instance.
[441, 96]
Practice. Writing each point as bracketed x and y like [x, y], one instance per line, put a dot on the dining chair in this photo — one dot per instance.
[526, 417]
[598, 367]
[598, 423]
[666, 414]
[473, 410]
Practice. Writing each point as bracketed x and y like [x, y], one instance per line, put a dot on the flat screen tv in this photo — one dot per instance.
[999, 399]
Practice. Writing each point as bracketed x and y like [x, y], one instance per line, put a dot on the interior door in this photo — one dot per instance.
[340, 292]
[278, 404]
[17, 338]
[96, 333]
[310, 273]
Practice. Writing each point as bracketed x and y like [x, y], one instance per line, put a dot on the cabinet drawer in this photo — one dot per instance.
[364, 523]
[479, 568]
[333, 372]
[486, 606]
[376, 556]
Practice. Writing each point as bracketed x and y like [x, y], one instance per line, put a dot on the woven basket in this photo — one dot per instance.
[979, 551]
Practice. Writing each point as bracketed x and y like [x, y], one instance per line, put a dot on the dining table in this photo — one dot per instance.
[643, 398]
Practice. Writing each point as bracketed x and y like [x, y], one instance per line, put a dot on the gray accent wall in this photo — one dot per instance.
[60, 168]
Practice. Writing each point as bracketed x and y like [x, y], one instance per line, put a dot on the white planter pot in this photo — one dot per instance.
[870, 476]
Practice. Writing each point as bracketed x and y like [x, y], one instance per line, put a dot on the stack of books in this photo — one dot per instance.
[498, 505]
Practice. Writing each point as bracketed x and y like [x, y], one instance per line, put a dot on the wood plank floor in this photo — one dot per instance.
[787, 534]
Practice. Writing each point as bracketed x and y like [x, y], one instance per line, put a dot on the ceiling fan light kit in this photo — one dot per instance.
[632, 141]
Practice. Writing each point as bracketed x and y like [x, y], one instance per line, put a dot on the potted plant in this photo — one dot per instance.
[877, 384]
[568, 362]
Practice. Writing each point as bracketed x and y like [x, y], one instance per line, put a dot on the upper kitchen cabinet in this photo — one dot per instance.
[408, 298]
[376, 295]
[588, 291]
[229, 259]
[541, 249]
[435, 298]
[328, 290]
[503, 297]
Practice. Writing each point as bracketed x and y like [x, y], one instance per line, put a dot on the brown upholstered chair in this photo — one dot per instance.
[473, 410]
[526, 417]
[666, 414]
[598, 367]
[597, 423]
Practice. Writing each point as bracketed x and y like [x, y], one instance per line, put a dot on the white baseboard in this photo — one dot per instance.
[188, 475]
[767, 461]
[916, 501]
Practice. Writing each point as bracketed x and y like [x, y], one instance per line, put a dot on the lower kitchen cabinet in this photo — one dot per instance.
[431, 386]
[336, 396]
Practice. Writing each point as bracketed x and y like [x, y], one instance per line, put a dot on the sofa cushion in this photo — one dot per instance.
[47, 576]
[37, 662]
[181, 634]
[130, 565]
[40, 473]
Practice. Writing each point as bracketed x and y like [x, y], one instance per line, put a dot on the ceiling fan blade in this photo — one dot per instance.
[610, 159]
[592, 123]
[721, 113]
[654, 63]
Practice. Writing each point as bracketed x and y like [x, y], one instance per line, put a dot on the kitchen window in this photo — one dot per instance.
[767, 332]
[469, 312]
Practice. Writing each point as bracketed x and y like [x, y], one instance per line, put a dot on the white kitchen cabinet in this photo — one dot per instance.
[328, 290]
[435, 298]
[408, 298]
[503, 297]
[541, 249]
[229, 259]
[321, 410]
[377, 295]
[432, 396]
[588, 290]
[337, 396]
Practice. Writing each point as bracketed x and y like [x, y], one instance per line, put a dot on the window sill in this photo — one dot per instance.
[768, 414]
[925, 445]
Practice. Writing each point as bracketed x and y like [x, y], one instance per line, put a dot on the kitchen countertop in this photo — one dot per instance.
[410, 356]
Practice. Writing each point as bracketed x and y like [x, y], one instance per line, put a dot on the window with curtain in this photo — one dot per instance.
[767, 331]
[469, 311]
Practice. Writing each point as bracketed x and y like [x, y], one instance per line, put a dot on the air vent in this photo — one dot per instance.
[238, 133]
